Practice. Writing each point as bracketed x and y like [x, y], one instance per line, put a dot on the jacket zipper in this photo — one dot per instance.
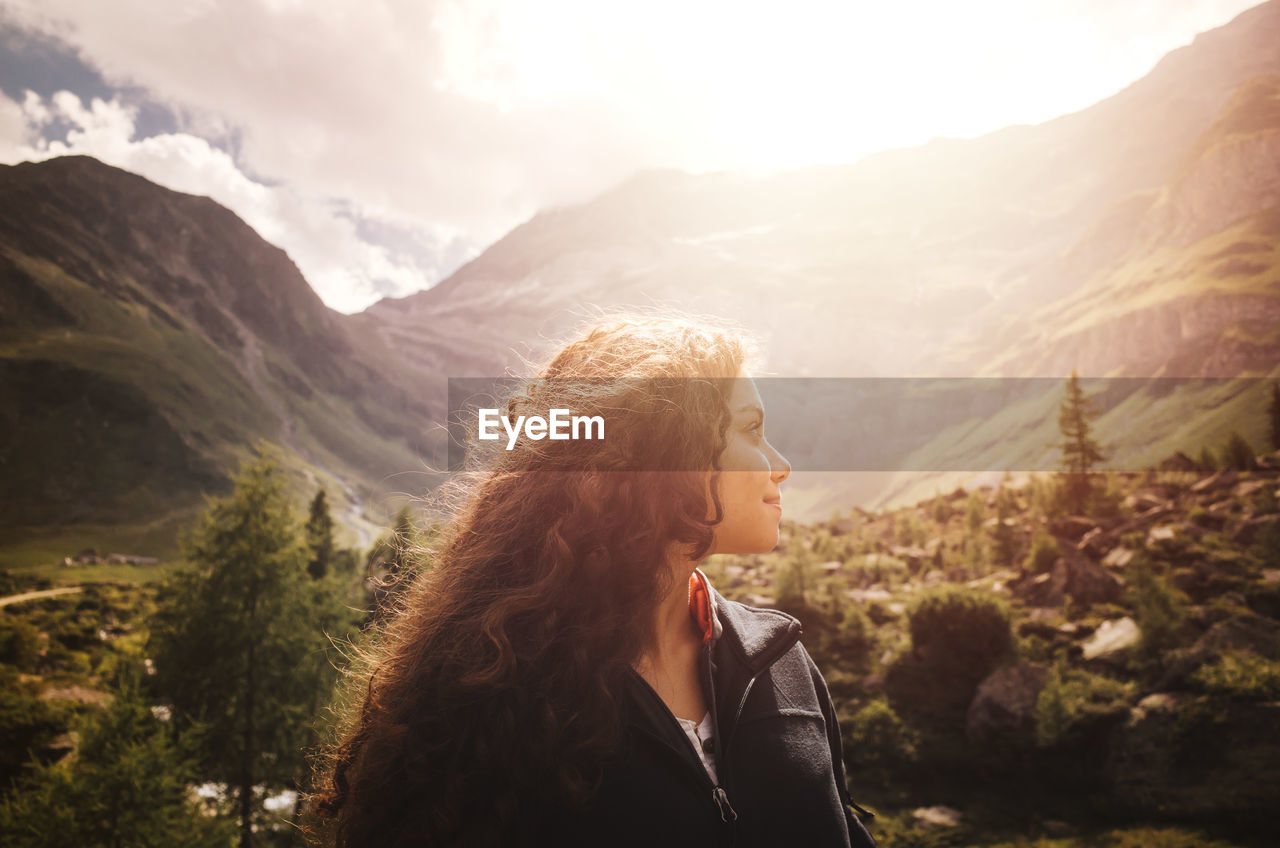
[727, 813]
[719, 794]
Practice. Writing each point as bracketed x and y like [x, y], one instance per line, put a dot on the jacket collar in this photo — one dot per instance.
[758, 636]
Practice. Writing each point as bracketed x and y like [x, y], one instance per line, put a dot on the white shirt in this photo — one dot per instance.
[697, 734]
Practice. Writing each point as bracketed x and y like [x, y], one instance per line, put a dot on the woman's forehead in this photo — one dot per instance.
[744, 394]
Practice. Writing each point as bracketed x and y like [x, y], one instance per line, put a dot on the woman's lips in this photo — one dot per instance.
[776, 503]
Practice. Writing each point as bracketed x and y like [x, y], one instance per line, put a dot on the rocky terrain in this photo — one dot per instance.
[1085, 672]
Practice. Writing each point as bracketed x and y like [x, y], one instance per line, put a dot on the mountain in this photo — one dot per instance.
[149, 338]
[903, 263]
[1134, 238]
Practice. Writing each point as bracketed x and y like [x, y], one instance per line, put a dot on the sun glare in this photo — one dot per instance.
[765, 86]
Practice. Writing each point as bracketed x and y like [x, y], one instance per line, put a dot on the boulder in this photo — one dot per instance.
[1118, 558]
[1111, 639]
[1178, 461]
[1244, 632]
[1142, 520]
[1215, 483]
[1246, 532]
[1145, 500]
[1077, 576]
[1247, 487]
[1072, 527]
[1097, 542]
[938, 816]
[1005, 700]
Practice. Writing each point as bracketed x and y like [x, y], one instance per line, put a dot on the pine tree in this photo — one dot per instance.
[1080, 452]
[1003, 535]
[1237, 454]
[237, 640]
[127, 784]
[320, 536]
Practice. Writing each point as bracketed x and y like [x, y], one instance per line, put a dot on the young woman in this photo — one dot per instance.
[563, 673]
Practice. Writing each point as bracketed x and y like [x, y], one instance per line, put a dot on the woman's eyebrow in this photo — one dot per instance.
[751, 407]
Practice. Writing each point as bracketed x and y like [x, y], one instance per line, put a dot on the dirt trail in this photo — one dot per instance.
[35, 596]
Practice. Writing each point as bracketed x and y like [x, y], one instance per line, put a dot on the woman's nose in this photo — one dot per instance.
[781, 467]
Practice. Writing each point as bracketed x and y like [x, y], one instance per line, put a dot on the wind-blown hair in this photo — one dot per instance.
[496, 688]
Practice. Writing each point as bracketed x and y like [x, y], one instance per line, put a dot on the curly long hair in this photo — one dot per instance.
[495, 688]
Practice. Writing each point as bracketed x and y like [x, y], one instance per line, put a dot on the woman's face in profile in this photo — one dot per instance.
[749, 484]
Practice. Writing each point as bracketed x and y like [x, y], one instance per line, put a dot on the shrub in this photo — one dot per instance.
[1159, 609]
[975, 512]
[1074, 699]
[19, 643]
[876, 738]
[1240, 674]
[1044, 553]
[965, 627]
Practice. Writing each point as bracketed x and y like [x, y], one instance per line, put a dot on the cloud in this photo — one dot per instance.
[321, 237]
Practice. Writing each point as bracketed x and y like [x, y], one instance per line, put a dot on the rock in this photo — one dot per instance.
[1081, 578]
[1217, 482]
[78, 694]
[1142, 520]
[1223, 508]
[1248, 487]
[1155, 702]
[1178, 461]
[60, 746]
[1004, 700]
[1144, 501]
[1171, 533]
[1208, 520]
[1247, 631]
[911, 554]
[1056, 828]
[1072, 527]
[938, 816]
[1041, 628]
[1118, 558]
[1246, 532]
[1111, 638]
[1097, 542]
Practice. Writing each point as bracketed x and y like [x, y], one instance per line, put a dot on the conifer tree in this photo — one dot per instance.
[320, 536]
[238, 644]
[1003, 535]
[127, 784]
[1237, 454]
[1080, 452]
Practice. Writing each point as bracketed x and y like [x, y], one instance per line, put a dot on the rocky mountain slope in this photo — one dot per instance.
[150, 337]
[953, 258]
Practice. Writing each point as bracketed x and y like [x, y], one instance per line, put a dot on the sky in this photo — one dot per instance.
[383, 143]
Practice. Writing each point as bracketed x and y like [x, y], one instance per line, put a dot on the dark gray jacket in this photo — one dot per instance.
[777, 752]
